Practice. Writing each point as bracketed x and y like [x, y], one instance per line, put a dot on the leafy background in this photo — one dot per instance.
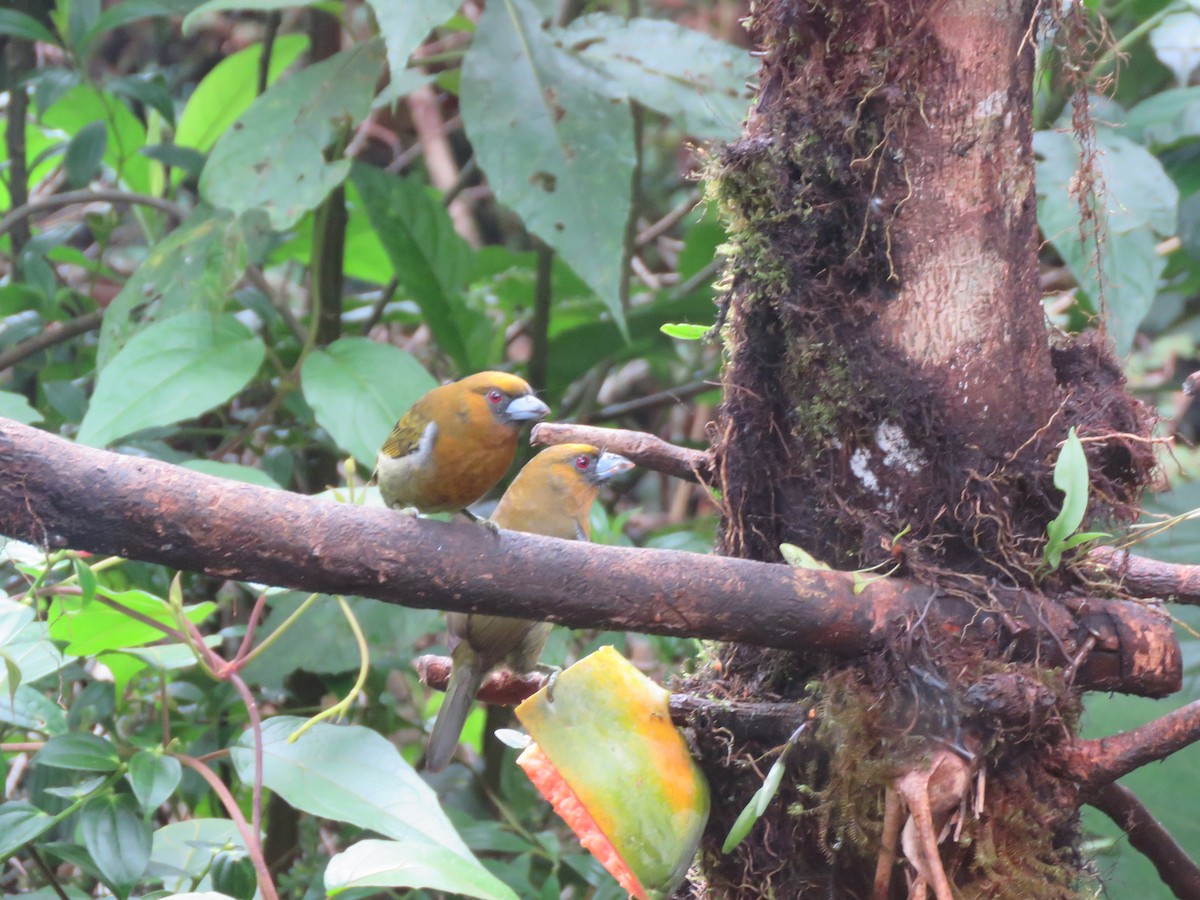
[298, 219]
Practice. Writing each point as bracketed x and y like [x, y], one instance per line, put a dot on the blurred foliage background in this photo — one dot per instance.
[244, 235]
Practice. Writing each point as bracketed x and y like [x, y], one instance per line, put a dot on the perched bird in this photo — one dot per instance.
[553, 496]
[455, 443]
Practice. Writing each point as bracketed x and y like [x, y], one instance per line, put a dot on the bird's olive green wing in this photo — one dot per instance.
[406, 437]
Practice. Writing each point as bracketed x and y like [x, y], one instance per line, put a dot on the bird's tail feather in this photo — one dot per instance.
[460, 692]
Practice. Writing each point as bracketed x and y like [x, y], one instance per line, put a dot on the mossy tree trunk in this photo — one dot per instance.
[894, 398]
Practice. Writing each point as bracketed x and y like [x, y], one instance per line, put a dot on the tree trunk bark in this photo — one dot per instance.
[895, 401]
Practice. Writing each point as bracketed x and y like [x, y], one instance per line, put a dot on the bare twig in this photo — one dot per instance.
[21, 58]
[646, 450]
[1147, 835]
[55, 333]
[669, 397]
[539, 325]
[667, 222]
[103, 195]
[766, 722]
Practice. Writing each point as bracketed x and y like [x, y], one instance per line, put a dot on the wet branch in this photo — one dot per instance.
[1149, 577]
[1096, 762]
[1146, 835]
[58, 494]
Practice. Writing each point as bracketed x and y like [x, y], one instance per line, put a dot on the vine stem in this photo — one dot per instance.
[70, 198]
[253, 845]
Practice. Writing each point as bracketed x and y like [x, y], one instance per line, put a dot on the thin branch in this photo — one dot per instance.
[764, 721]
[265, 884]
[1147, 835]
[1149, 577]
[1095, 762]
[539, 324]
[58, 494]
[103, 195]
[667, 222]
[55, 333]
[669, 397]
[21, 58]
[646, 450]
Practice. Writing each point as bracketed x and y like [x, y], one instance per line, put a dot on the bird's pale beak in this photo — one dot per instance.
[527, 408]
[609, 465]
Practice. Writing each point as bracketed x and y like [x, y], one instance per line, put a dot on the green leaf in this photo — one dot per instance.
[153, 778]
[359, 389]
[97, 628]
[117, 838]
[1165, 119]
[683, 332]
[84, 152]
[86, 578]
[404, 26]
[213, 6]
[741, 825]
[1138, 208]
[32, 710]
[85, 752]
[228, 90]
[251, 168]
[134, 10]
[192, 269]
[232, 471]
[149, 90]
[428, 256]
[172, 370]
[125, 134]
[678, 71]
[14, 406]
[1070, 477]
[556, 142]
[770, 786]
[20, 823]
[1175, 41]
[20, 25]
[189, 847]
[410, 865]
[799, 558]
[351, 774]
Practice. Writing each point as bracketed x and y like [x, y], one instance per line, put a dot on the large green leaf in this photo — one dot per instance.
[183, 851]
[169, 371]
[192, 269]
[351, 774]
[1139, 207]
[13, 406]
[83, 752]
[429, 257]
[26, 643]
[153, 778]
[273, 156]
[410, 865]
[20, 823]
[1165, 119]
[404, 25]
[228, 90]
[555, 139]
[94, 628]
[358, 389]
[678, 71]
[117, 838]
[125, 134]
[30, 709]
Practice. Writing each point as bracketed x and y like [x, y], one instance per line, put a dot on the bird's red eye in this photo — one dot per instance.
[494, 396]
[582, 462]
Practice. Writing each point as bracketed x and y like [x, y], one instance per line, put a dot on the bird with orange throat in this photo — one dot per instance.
[455, 443]
[553, 496]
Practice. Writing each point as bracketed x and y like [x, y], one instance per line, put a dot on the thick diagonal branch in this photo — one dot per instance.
[1147, 835]
[59, 494]
[1149, 577]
